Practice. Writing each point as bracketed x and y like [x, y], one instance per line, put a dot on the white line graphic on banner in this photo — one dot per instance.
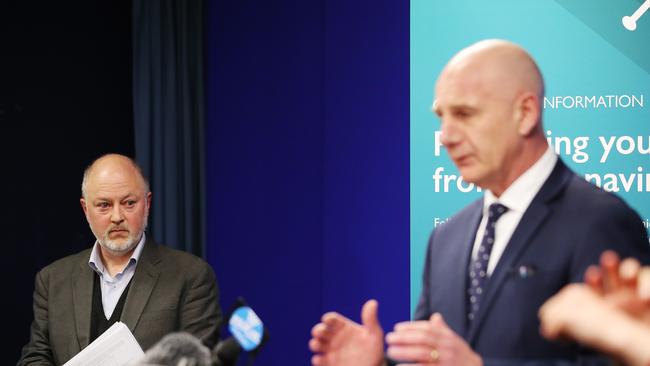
[629, 22]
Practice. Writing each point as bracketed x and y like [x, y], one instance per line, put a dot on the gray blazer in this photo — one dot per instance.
[170, 291]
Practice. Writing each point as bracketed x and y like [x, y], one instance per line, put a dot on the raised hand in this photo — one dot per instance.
[429, 342]
[338, 341]
[581, 313]
[623, 284]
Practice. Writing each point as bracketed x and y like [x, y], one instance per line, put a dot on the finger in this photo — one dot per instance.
[323, 332]
[413, 325]
[434, 316]
[610, 261]
[557, 312]
[594, 278]
[369, 316]
[318, 360]
[410, 353]
[331, 316]
[628, 272]
[316, 345]
[548, 328]
[333, 321]
[439, 323]
[320, 330]
[643, 283]
[411, 338]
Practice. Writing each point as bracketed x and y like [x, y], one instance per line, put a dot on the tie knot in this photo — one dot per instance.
[495, 211]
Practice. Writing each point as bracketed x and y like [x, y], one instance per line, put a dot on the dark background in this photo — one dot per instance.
[306, 163]
[65, 98]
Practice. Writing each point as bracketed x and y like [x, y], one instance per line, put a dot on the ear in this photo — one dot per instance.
[527, 113]
[148, 199]
[83, 205]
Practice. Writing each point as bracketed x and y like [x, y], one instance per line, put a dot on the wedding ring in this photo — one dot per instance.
[434, 355]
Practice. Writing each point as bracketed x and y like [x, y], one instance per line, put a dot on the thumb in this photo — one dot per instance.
[437, 321]
[643, 283]
[369, 315]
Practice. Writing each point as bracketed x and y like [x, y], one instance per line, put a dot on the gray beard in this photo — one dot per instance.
[117, 249]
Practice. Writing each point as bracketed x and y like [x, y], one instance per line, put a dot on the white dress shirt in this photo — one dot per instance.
[113, 287]
[517, 197]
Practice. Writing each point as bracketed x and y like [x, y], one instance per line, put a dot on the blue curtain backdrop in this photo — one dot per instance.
[307, 163]
[168, 111]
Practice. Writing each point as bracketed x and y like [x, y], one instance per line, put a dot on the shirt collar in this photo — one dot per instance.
[95, 261]
[521, 192]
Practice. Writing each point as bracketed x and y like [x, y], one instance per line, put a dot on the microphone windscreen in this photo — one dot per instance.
[227, 352]
[246, 327]
[177, 349]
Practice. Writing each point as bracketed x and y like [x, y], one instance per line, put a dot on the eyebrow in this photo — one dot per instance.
[131, 194]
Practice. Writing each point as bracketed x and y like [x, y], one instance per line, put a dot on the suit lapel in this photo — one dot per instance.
[142, 284]
[82, 298]
[458, 319]
[530, 223]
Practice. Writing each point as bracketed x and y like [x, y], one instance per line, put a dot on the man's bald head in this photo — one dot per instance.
[500, 65]
[109, 164]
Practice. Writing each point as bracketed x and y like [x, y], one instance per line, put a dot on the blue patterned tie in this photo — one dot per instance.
[478, 268]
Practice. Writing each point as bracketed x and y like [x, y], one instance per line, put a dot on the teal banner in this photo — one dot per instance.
[595, 58]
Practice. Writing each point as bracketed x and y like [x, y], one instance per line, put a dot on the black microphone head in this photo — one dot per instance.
[227, 352]
[177, 349]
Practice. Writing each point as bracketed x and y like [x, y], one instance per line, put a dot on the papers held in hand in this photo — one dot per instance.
[115, 347]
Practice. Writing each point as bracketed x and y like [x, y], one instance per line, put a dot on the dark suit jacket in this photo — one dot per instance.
[170, 291]
[567, 226]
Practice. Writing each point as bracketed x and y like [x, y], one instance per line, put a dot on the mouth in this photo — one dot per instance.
[462, 160]
[118, 232]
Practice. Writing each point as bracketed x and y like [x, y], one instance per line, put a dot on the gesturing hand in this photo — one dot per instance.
[623, 284]
[429, 342]
[338, 341]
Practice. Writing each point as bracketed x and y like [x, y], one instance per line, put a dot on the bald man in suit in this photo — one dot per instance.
[492, 265]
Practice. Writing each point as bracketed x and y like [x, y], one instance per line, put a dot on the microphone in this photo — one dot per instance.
[226, 353]
[246, 327]
[177, 349]
[248, 334]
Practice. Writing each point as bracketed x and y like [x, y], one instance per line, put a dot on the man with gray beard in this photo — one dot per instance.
[124, 277]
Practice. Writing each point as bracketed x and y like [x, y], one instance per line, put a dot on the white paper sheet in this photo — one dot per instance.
[115, 347]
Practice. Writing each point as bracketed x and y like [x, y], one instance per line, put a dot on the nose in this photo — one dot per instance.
[449, 134]
[116, 215]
